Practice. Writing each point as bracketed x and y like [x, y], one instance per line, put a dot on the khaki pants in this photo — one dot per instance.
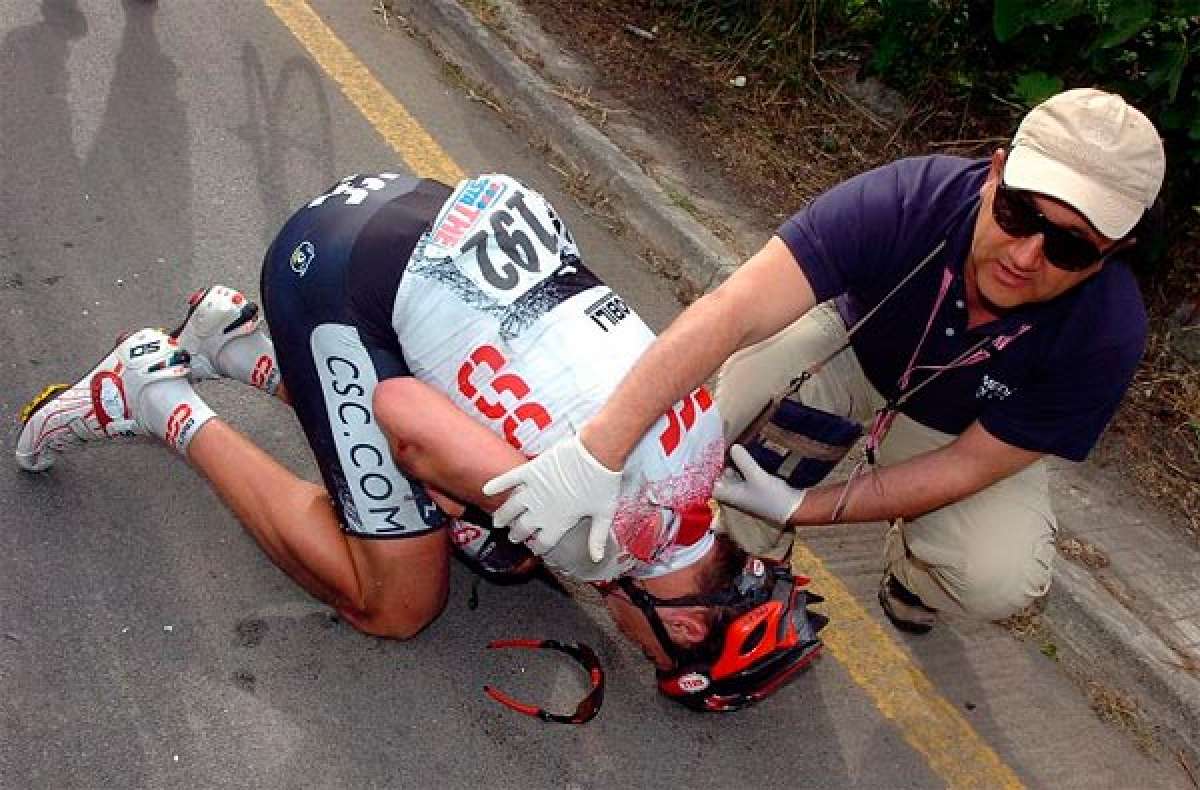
[987, 555]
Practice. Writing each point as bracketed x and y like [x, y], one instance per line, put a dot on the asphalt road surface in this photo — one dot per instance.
[148, 149]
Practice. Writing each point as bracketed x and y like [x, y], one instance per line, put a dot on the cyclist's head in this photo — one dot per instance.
[725, 635]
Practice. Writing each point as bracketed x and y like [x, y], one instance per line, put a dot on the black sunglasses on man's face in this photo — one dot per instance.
[1017, 215]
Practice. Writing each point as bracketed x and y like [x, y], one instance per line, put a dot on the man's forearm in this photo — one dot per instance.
[904, 490]
[916, 486]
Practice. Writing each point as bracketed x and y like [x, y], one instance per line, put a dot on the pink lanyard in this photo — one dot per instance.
[972, 356]
[808, 373]
[887, 414]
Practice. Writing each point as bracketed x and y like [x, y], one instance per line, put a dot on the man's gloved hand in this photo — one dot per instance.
[551, 493]
[757, 492]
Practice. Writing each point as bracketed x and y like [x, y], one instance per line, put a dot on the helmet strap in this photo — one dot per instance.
[646, 602]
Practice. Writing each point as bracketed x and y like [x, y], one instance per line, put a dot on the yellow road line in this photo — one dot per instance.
[900, 690]
[420, 151]
[903, 693]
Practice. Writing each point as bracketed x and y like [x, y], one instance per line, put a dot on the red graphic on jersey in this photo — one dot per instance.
[460, 219]
[176, 422]
[484, 355]
[500, 383]
[637, 526]
[682, 417]
[473, 199]
[510, 382]
[262, 372]
[525, 412]
[492, 358]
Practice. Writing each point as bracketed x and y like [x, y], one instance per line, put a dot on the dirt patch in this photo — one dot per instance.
[1027, 623]
[250, 632]
[1154, 442]
[1117, 707]
[778, 144]
[1086, 554]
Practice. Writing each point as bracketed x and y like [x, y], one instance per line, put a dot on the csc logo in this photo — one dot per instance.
[500, 383]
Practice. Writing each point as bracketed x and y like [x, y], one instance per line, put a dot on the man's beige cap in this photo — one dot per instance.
[1092, 151]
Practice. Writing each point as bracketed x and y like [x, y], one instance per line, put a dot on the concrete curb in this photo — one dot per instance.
[1099, 635]
[703, 259]
[1105, 641]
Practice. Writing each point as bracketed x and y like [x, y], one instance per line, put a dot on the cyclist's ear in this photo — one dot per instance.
[686, 625]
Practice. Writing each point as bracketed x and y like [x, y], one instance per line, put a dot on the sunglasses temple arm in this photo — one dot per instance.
[509, 702]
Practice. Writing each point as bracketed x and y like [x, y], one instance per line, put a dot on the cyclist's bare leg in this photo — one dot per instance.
[391, 588]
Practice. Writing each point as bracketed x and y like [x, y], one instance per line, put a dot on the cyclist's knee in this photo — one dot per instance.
[397, 621]
[401, 585]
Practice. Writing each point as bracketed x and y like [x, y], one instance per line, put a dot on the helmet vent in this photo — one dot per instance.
[754, 639]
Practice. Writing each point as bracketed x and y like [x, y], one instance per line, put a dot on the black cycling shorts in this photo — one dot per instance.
[328, 283]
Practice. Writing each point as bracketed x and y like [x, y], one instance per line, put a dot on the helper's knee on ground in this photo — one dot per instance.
[988, 555]
[999, 592]
[996, 581]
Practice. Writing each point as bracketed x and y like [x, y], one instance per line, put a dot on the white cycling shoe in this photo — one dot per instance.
[216, 315]
[103, 404]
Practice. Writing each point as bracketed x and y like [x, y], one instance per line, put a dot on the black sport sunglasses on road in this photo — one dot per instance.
[1017, 215]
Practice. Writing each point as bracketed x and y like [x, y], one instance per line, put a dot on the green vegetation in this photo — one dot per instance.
[1009, 51]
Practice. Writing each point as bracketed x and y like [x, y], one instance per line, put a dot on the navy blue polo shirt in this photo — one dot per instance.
[1051, 389]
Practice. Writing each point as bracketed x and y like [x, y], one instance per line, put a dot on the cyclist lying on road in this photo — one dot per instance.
[429, 335]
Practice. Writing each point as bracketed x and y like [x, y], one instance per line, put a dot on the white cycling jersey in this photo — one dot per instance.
[496, 310]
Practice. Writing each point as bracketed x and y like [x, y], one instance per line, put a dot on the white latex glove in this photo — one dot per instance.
[757, 491]
[552, 493]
